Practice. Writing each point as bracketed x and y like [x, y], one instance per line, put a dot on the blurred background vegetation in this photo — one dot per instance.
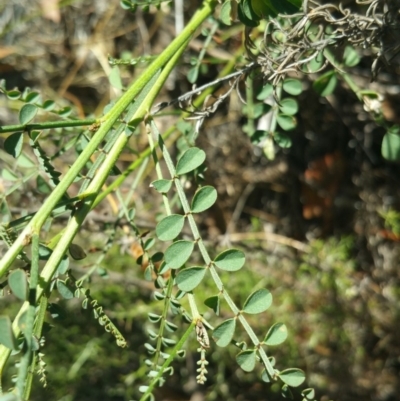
[319, 223]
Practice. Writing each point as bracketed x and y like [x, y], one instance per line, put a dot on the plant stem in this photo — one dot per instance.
[107, 122]
[47, 125]
[177, 347]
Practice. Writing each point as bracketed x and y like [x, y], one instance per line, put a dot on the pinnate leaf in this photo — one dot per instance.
[190, 160]
[230, 260]
[257, 302]
[223, 333]
[203, 199]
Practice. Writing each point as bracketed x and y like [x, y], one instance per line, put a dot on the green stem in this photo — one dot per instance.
[107, 123]
[168, 59]
[47, 125]
[165, 365]
[29, 318]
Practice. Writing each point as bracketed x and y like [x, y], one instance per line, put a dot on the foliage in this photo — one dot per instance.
[292, 44]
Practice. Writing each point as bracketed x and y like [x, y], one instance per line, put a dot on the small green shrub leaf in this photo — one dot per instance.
[283, 140]
[32, 97]
[350, 57]
[18, 284]
[326, 83]
[230, 260]
[14, 94]
[288, 106]
[42, 186]
[287, 123]
[190, 160]
[292, 86]
[63, 265]
[154, 318]
[263, 8]
[161, 186]
[225, 13]
[285, 6]
[7, 337]
[286, 392]
[193, 74]
[178, 253]
[203, 199]
[292, 377]
[76, 252]
[308, 393]
[9, 397]
[391, 145]
[276, 335]
[246, 360]
[27, 113]
[257, 302]
[265, 92]
[25, 161]
[44, 252]
[213, 303]
[190, 278]
[64, 290]
[223, 333]
[8, 175]
[48, 105]
[13, 144]
[170, 227]
[115, 78]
